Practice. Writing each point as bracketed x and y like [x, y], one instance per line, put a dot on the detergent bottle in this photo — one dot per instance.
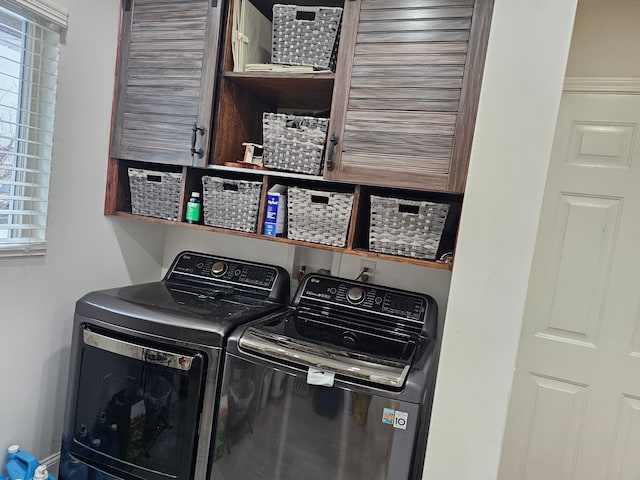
[20, 465]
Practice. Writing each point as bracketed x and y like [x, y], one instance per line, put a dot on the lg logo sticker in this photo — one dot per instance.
[395, 418]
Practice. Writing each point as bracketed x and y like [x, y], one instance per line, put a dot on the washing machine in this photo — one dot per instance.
[338, 386]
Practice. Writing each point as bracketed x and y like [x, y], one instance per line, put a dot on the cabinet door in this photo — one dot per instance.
[168, 54]
[406, 94]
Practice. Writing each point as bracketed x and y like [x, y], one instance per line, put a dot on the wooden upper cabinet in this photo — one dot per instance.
[406, 92]
[166, 79]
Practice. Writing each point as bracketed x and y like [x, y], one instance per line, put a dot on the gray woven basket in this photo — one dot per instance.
[232, 204]
[406, 227]
[300, 41]
[294, 142]
[319, 217]
[155, 194]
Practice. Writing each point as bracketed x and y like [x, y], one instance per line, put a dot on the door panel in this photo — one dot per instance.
[556, 415]
[412, 67]
[624, 463]
[581, 328]
[168, 55]
[582, 247]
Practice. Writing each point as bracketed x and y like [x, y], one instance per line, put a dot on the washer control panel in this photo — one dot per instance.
[369, 299]
[209, 269]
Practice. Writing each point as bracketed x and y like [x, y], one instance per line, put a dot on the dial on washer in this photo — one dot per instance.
[355, 295]
[218, 269]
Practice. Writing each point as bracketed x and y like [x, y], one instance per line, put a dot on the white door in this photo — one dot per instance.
[575, 403]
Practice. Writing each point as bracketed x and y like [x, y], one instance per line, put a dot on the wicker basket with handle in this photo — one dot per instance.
[318, 216]
[408, 228]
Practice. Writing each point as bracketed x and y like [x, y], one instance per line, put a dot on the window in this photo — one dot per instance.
[29, 40]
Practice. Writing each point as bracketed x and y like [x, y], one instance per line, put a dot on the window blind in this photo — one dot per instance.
[29, 44]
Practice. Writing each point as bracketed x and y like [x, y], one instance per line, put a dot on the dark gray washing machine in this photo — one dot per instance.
[145, 366]
[339, 386]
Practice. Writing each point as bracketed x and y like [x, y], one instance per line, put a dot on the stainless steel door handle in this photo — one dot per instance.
[310, 355]
[176, 361]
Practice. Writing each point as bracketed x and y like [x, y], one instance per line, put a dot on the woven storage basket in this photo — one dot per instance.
[293, 142]
[406, 227]
[231, 204]
[155, 194]
[319, 217]
[300, 41]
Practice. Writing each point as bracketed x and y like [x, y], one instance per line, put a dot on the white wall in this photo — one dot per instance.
[524, 73]
[410, 277]
[86, 250]
[605, 40]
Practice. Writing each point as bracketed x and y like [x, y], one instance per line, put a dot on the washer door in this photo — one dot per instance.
[273, 425]
[136, 406]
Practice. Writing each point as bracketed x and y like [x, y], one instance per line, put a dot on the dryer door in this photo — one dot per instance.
[135, 406]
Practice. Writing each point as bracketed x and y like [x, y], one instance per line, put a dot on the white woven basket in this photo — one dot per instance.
[232, 204]
[155, 194]
[294, 142]
[305, 35]
[407, 228]
[317, 216]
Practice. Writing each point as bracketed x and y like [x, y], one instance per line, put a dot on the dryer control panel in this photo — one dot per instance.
[214, 270]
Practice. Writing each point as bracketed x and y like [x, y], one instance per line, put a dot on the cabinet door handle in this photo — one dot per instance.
[194, 133]
[333, 141]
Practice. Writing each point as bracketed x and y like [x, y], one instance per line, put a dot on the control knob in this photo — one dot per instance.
[218, 269]
[355, 295]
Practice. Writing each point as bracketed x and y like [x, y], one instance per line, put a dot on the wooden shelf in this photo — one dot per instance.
[267, 173]
[310, 91]
[257, 236]
[394, 258]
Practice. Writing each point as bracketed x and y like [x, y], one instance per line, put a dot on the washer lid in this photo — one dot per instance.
[384, 372]
[214, 303]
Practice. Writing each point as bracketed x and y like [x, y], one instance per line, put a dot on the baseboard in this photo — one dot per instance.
[52, 462]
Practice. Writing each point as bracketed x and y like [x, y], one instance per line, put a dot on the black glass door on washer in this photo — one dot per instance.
[273, 425]
[137, 405]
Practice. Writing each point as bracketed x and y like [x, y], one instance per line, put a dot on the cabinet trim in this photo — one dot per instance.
[342, 85]
[470, 95]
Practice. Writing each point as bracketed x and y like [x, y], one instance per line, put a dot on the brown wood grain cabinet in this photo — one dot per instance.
[407, 87]
[402, 103]
[166, 81]
[244, 96]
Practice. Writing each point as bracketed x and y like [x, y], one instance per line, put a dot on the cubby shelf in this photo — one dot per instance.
[348, 251]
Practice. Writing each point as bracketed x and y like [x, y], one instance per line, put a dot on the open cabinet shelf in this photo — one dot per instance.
[357, 236]
[309, 91]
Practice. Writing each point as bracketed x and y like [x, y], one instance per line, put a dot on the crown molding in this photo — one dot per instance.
[620, 85]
